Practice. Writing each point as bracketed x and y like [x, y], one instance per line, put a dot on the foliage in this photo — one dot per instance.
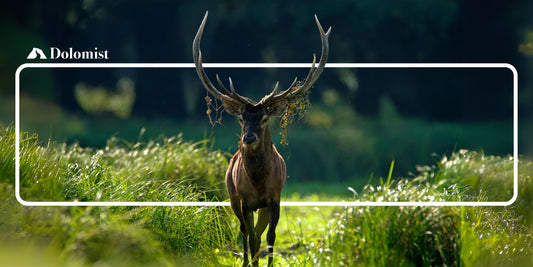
[342, 144]
[364, 31]
[296, 107]
[214, 111]
[167, 170]
[425, 236]
[345, 146]
[325, 236]
[97, 100]
[419, 236]
[127, 172]
[483, 176]
[526, 47]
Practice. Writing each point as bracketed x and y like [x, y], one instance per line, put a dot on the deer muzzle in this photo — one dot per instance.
[249, 139]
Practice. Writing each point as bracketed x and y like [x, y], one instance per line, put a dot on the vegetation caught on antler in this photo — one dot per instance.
[297, 107]
[214, 111]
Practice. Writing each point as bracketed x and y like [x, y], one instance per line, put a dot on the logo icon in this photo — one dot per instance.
[36, 52]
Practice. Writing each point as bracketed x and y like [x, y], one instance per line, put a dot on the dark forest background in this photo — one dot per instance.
[367, 117]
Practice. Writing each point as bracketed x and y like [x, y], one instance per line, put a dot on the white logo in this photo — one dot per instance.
[34, 52]
[70, 53]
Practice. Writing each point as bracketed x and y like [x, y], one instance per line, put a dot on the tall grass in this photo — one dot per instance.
[403, 236]
[429, 236]
[165, 170]
[170, 169]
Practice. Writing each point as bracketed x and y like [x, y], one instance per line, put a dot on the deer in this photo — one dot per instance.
[257, 172]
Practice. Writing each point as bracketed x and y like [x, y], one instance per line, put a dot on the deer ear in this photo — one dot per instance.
[232, 107]
[276, 108]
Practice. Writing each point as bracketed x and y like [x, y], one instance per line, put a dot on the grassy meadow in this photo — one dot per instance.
[172, 169]
[363, 133]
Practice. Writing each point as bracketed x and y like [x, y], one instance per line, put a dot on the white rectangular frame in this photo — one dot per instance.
[265, 65]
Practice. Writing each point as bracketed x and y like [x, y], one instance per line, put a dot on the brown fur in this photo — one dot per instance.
[254, 180]
[257, 173]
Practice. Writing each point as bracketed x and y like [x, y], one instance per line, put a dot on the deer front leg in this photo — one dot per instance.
[262, 222]
[244, 234]
[273, 212]
[236, 206]
[252, 238]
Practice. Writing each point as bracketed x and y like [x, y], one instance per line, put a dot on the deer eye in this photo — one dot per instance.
[264, 120]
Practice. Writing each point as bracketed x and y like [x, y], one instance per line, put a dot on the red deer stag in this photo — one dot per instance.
[256, 173]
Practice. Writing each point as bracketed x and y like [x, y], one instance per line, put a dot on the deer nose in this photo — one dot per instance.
[249, 138]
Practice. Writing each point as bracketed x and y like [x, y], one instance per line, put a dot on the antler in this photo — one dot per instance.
[295, 91]
[197, 55]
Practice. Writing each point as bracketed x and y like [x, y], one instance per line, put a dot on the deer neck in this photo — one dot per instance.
[257, 162]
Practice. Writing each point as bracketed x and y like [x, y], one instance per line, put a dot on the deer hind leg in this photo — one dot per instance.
[273, 210]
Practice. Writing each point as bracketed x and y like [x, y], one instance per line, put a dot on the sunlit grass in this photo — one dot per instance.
[171, 169]
[419, 236]
[165, 170]
[415, 236]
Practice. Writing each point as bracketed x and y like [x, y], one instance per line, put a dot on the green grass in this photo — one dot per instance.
[165, 170]
[433, 236]
[171, 169]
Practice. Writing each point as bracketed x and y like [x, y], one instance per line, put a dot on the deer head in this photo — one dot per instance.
[252, 115]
